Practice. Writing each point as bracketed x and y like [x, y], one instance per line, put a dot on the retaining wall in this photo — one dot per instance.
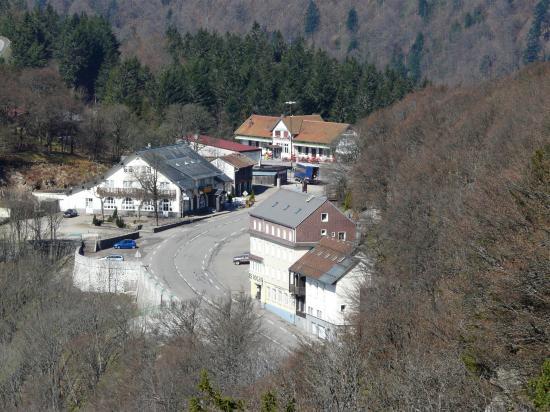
[130, 277]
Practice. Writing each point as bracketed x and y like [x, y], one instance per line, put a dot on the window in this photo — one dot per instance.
[314, 328]
[266, 228]
[128, 204]
[127, 184]
[147, 206]
[342, 308]
[164, 185]
[320, 152]
[285, 148]
[109, 203]
[109, 183]
[323, 232]
[310, 310]
[333, 234]
[284, 234]
[277, 133]
[89, 202]
[278, 232]
[324, 217]
[272, 230]
[286, 133]
[279, 296]
[128, 169]
[322, 334]
[299, 149]
[165, 205]
[254, 224]
[341, 235]
[147, 169]
[320, 314]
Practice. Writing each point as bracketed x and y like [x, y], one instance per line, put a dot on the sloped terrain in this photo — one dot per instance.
[464, 41]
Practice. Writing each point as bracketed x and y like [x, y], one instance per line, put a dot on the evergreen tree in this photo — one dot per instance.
[423, 9]
[532, 52]
[415, 59]
[87, 50]
[353, 21]
[128, 84]
[313, 18]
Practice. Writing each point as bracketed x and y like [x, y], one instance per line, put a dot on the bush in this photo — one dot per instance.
[96, 221]
[539, 388]
[252, 197]
[120, 222]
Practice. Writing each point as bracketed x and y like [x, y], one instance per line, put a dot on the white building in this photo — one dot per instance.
[238, 168]
[184, 180]
[304, 138]
[325, 283]
[283, 228]
[208, 146]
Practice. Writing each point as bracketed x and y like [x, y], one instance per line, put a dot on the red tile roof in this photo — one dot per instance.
[224, 144]
[305, 128]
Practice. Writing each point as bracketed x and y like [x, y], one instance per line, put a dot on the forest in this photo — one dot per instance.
[458, 314]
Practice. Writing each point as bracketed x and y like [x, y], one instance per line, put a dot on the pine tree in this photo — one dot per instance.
[313, 18]
[353, 21]
[415, 59]
[533, 49]
[423, 9]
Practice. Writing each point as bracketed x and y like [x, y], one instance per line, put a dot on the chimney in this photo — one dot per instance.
[250, 122]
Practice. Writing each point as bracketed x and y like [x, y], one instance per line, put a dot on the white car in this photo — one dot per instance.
[115, 258]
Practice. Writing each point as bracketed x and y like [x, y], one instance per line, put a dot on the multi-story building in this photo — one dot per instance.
[182, 179]
[324, 283]
[304, 138]
[282, 229]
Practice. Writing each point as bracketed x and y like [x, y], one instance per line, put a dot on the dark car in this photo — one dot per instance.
[240, 259]
[125, 244]
[70, 213]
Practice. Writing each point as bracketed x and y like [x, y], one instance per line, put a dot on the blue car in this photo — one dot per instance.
[125, 244]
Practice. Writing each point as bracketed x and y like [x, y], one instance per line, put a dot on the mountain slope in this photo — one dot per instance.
[463, 42]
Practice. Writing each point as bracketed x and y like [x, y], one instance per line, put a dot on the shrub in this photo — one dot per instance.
[120, 222]
[539, 388]
[96, 221]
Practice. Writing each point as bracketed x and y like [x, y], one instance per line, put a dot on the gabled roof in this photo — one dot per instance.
[327, 262]
[305, 128]
[179, 163]
[238, 161]
[224, 144]
[287, 207]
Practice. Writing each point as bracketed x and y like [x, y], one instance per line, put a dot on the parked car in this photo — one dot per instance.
[125, 244]
[116, 258]
[70, 213]
[240, 259]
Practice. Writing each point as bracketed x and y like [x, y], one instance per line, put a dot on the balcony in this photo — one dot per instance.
[297, 290]
[134, 193]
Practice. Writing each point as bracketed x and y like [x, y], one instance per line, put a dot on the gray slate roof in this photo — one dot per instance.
[287, 207]
[180, 164]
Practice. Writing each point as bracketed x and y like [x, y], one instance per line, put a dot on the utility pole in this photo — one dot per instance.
[290, 103]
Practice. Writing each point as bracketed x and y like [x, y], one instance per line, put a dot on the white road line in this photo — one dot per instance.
[283, 329]
[233, 234]
[206, 274]
[270, 321]
[217, 287]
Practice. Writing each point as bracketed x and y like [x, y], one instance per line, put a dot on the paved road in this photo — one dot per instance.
[197, 259]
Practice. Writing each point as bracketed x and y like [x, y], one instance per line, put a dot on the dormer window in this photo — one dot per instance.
[277, 133]
[324, 217]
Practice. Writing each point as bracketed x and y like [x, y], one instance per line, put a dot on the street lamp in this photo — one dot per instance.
[290, 103]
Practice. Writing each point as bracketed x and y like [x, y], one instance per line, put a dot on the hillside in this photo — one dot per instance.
[463, 41]
[462, 304]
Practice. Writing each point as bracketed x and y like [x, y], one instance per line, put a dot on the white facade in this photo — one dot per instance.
[327, 306]
[212, 151]
[283, 146]
[120, 181]
[271, 274]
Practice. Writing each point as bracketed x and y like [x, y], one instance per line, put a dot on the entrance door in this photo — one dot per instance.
[259, 292]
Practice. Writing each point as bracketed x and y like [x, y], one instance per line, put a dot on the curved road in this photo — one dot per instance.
[196, 259]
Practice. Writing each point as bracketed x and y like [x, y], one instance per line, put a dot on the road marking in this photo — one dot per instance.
[271, 322]
[283, 329]
[233, 234]
[217, 287]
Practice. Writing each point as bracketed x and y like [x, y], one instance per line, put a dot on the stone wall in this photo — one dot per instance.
[129, 277]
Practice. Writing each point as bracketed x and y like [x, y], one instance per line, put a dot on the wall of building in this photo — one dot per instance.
[310, 229]
[272, 275]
